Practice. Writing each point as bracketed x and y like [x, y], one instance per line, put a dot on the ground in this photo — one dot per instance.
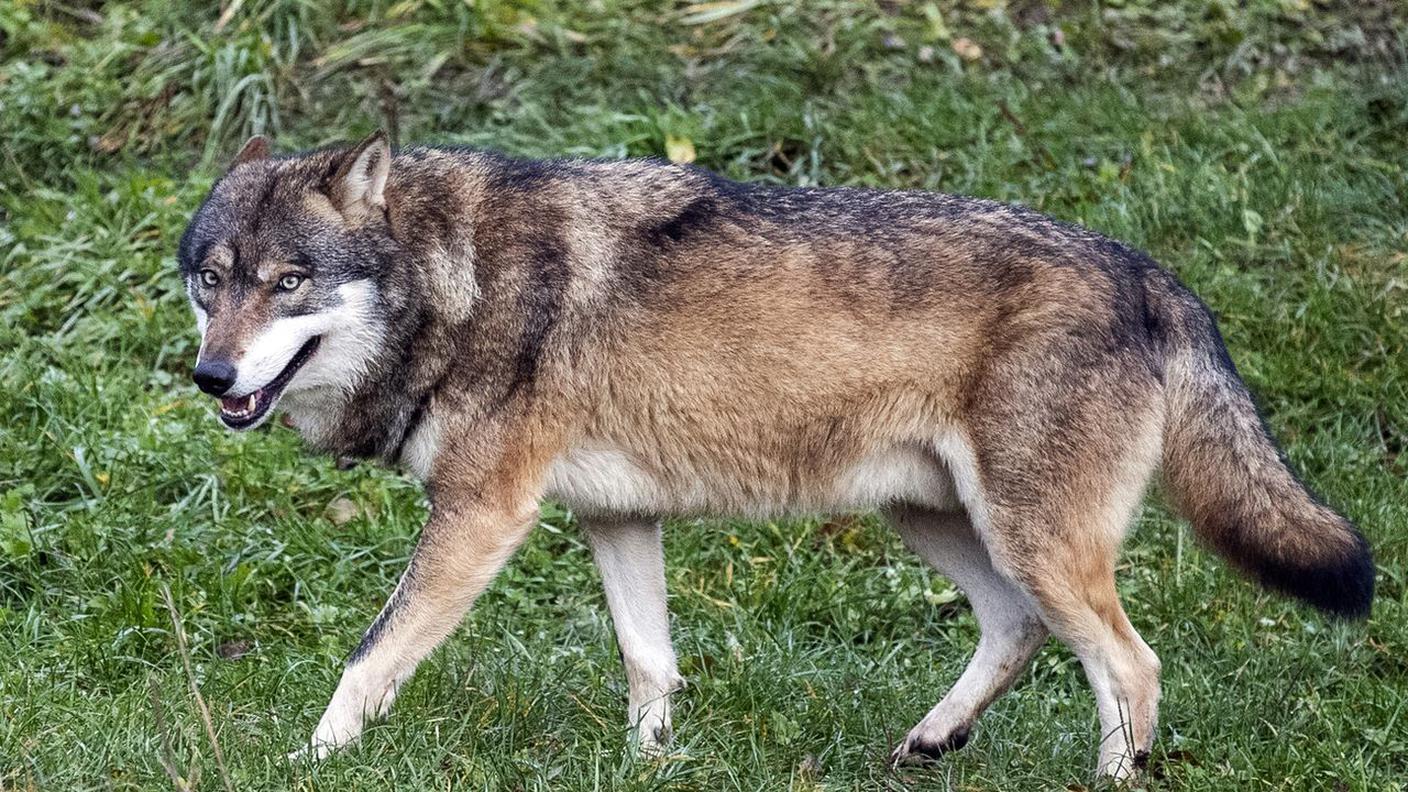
[1259, 149]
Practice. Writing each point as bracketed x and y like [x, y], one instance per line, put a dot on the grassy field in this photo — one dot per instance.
[1257, 148]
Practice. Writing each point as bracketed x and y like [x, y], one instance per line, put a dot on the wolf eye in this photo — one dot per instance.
[290, 282]
[209, 278]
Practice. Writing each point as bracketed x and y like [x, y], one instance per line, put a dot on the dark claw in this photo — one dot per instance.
[922, 750]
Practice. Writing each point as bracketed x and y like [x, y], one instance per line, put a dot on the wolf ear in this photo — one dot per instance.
[358, 187]
[256, 148]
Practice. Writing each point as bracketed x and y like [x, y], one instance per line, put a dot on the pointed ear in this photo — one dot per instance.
[256, 148]
[358, 187]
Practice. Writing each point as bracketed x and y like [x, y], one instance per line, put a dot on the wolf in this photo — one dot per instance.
[641, 340]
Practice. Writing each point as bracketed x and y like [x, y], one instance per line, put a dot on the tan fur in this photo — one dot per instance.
[760, 396]
[646, 341]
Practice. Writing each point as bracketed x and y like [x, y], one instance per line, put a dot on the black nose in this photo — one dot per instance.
[214, 376]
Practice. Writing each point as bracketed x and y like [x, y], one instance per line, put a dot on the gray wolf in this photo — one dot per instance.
[641, 340]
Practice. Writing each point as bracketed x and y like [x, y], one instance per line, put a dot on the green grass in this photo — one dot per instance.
[1259, 149]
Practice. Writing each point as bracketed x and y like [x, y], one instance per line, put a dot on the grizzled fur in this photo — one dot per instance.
[643, 340]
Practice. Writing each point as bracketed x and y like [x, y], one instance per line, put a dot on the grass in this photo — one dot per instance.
[1257, 148]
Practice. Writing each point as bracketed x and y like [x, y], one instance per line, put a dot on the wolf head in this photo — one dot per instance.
[285, 264]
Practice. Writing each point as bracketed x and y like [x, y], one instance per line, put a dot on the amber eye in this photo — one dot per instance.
[290, 282]
[209, 278]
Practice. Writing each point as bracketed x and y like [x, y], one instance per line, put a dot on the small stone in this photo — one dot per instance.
[340, 511]
[233, 650]
[809, 769]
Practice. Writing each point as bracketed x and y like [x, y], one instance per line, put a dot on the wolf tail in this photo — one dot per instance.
[1226, 474]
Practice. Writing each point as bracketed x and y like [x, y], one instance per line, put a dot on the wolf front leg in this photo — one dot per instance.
[463, 546]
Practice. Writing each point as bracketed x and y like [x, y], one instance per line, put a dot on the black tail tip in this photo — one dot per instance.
[1341, 585]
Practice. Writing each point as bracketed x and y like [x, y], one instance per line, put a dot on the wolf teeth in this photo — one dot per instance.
[251, 403]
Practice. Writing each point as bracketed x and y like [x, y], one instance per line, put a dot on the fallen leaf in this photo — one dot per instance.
[110, 143]
[680, 150]
[700, 13]
[967, 49]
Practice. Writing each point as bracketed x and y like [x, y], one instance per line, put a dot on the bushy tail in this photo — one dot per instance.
[1226, 474]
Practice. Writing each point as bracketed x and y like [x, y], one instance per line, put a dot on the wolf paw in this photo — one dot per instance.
[311, 752]
[1122, 767]
[920, 747]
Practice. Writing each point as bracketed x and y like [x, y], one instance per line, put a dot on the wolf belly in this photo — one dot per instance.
[603, 479]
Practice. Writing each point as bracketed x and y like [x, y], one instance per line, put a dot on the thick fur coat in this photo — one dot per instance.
[642, 340]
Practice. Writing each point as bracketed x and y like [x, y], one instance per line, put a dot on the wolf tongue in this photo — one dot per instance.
[233, 405]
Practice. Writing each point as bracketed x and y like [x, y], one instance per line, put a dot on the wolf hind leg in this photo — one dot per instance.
[1079, 604]
[629, 556]
[1012, 632]
[1063, 471]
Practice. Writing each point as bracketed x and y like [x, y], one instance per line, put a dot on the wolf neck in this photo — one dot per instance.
[380, 416]
[428, 298]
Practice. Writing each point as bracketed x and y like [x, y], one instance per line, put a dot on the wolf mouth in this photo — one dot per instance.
[243, 412]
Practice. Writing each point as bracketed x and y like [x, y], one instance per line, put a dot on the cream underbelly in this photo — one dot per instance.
[600, 480]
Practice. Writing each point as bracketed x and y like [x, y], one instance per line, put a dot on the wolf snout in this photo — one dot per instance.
[214, 376]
